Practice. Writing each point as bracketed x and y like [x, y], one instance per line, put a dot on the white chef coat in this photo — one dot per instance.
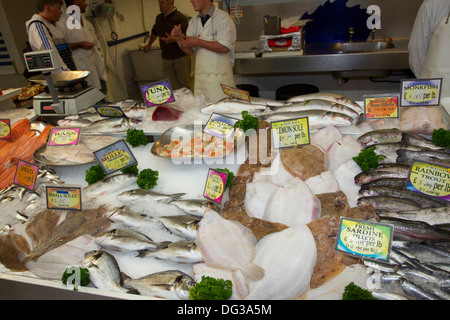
[430, 15]
[45, 37]
[86, 60]
[211, 68]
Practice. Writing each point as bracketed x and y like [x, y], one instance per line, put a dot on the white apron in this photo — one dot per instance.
[88, 60]
[437, 63]
[211, 70]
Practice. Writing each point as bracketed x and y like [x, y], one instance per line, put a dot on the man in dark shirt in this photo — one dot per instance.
[176, 64]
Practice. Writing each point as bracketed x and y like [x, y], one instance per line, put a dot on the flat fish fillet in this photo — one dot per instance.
[295, 248]
[325, 137]
[303, 161]
[292, 204]
[256, 197]
[227, 244]
[341, 151]
[345, 176]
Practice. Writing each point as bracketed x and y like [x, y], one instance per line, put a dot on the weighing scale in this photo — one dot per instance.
[68, 92]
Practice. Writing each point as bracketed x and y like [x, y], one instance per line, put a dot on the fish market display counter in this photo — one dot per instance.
[173, 232]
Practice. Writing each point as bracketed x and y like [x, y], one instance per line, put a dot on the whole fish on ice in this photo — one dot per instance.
[328, 96]
[181, 225]
[111, 184]
[125, 240]
[131, 196]
[230, 106]
[104, 271]
[179, 252]
[318, 119]
[195, 207]
[131, 218]
[169, 284]
[112, 125]
[314, 104]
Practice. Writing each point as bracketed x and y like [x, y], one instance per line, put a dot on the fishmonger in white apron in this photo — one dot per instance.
[211, 68]
[437, 62]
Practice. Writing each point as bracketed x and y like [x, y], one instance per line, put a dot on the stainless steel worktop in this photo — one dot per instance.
[318, 59]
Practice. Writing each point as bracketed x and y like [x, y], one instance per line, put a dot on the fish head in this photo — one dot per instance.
[116, 211]
[182, 285]
[366, 139]
[91, 257]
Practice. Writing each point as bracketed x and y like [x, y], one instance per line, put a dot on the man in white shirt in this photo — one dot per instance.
[211, 35]
[430, 43]
[44, 33]
[80, 35]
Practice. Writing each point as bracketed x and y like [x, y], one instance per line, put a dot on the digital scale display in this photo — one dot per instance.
[46, 60]
[41, 61]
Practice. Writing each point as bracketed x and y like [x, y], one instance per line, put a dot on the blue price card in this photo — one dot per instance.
[115, 157]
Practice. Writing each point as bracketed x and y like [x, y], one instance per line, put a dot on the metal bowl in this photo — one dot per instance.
[63, 79]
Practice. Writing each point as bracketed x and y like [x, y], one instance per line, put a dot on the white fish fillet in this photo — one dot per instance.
[422, 120]
[341, 151]
[323, 183]
[288, 258]
[293, 204]
[325, 137]
[345, 176]
[228, 245]
[256, 197]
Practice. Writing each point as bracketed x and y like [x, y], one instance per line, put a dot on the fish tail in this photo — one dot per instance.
[253, 272]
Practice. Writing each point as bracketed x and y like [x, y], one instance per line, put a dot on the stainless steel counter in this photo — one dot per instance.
[319, 59]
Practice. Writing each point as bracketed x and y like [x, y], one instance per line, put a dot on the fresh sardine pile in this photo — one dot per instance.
[415, 271]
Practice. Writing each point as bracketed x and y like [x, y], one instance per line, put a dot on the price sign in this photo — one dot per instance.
[64, 136]
[26, 174]
[110, 111]
[290, 133]
[115, 157]
[63, 197]
[5, 129]
[421, 92]
[364, 239]
[220, 126]
[381, 106]
[215, 185]
[236, 93]
[429, 179]
[157, 93]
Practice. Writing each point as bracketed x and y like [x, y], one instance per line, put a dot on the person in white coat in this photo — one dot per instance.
[44, 33]
[430, 43]
[211, 35]
[80, 35]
